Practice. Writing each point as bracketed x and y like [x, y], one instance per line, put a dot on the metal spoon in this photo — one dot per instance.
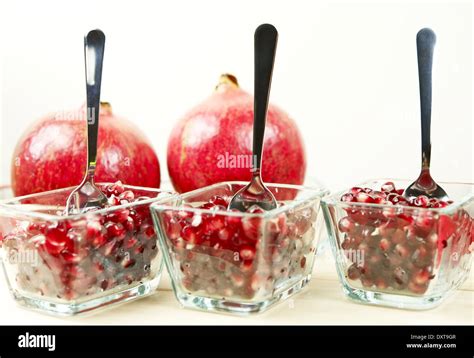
[87, 196]
[255, 193]
[425, 185]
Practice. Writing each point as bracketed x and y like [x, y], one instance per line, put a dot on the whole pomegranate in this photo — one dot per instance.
[213, 142]
[52, 153]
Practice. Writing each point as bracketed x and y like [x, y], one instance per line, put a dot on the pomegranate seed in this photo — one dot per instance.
[353, 272]
[93, 228]
[401, 250]
[214, 223]
[113, 200]
[191, 235]
[396, 199]
[255, 209]
[363, 197]
[381, 284]
[422, 201]
[422, 277]
[418, 289]
[127, 196]
[355, 190]
[348, 198]
[252, 227]
[232, 220]
[225, 234]
[346, 224]
[71, 257]
[129, 224]
[247, 252]
[388, 187]
[115, 230]
[400, 276]
[33, 229]
[238, 279]
[116, 188]
[118, 216]
[384, 245]
[173, 229]
[218, 200]
[208, 206]
[56, 241]
[127, 262]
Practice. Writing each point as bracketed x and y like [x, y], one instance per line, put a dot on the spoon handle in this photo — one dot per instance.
[94, 43]
[425, 42]
[266, 37]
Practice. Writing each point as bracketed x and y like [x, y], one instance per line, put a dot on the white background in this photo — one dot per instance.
[346, 72]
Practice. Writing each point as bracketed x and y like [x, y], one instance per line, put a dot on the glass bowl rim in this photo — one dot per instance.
[334, 199]
[317, 192]
[7, 206]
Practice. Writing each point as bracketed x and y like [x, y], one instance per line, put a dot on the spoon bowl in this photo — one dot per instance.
[255, 193]
[87, 196]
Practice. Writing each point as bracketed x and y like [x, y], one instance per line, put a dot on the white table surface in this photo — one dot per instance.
[321, 302]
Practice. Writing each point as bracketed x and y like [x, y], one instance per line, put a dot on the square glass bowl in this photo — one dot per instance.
[401, 256]
[236, 262]
[73, 264]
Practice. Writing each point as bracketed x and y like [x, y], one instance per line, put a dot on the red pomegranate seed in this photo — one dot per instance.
[418, 289]
[384, 245]
[208, 206]
[238, 279]
[113, 200]
[252, 227]
[115, 230]
[401, 250]
[422, 201]
[118, 216]
[191, 235]
[127, 196]
[116, 188]
[355, 190]
[93, 228]
[233, 219]
[422, 277]
[388, 187]
[396, 199]
[127, 262]
[214, 223]
[381, 284]
[225, 234]
[346, 224]
[56, 241]
[71, 257]
[353, 272]
[255, 209]
[129, 224]
[33, 229]
[348, 198]
[400, 276]
[247, 252]
[218, 200]
[363, 197]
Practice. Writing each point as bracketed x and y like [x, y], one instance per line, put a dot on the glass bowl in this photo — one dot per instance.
[236, 262]
[78, 263]
[401, 256]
